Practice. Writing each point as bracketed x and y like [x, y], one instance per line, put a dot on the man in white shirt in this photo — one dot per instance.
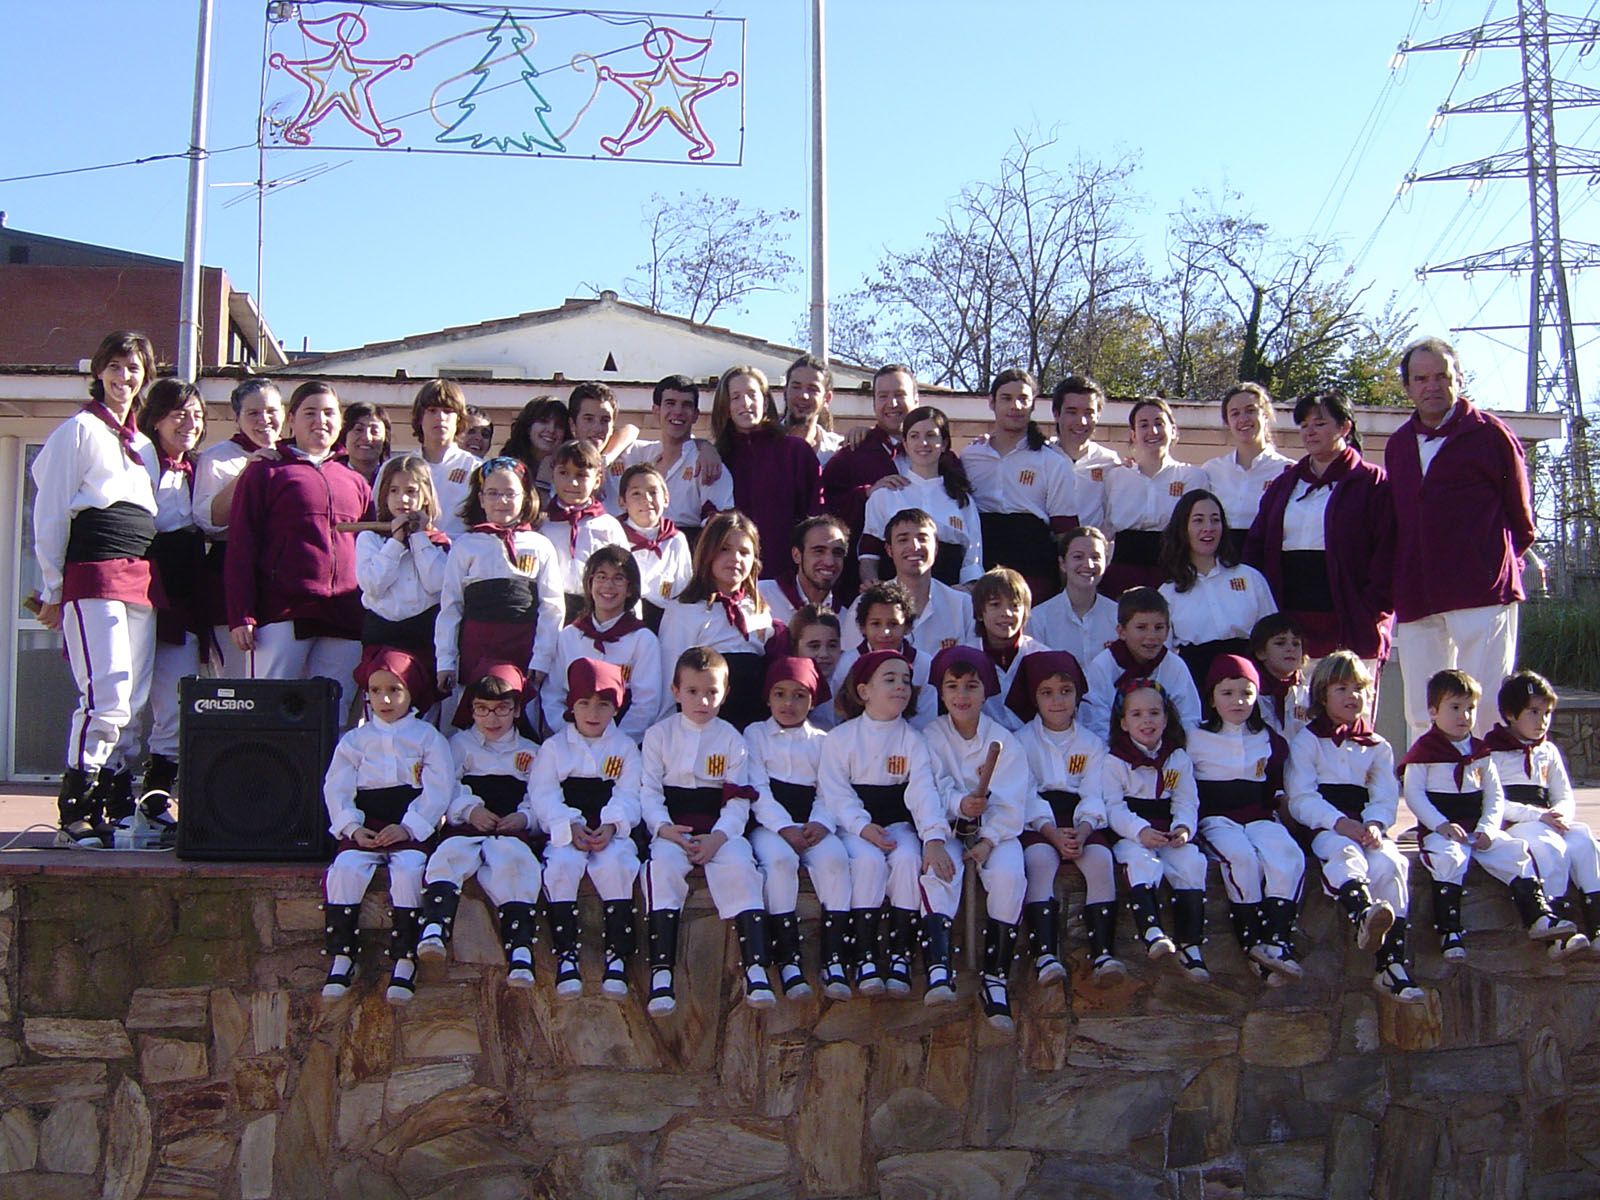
[819, 548]
[694, 489]
[1076, 404]
[943, 614]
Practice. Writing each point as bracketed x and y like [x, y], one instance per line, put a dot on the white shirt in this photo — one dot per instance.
[1103, 672]
[1428, 447]
[1091, 471]
[1134, 500]
[1094, 454]
[399, 579]
[828, 444]
[1066, 760]
[704, 623]
[1239, 488]
[1054, 625]
[475, 557]
[174, 507]
[592, 533]
[1305, 517]
[568, 754]
[689, 501]
[82, 465]
[1041, 482]
[995, 706]
[473, 754]
[661, 576]
[452, 477]
[679, 753]
[1225, 602]
[1549, 771]
[957, 525]
[944, 620]
[1314, 760]
[1422, 778]
[778, 600]
[865, 751]
[789, 755]
[1231, 752]
[1120, 780]
[637, 653]
[215, 468]
[1296, 709]
[407, 753]
[927, 698]
[956, 762]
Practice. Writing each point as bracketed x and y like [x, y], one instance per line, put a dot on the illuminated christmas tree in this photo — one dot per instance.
[499, 99]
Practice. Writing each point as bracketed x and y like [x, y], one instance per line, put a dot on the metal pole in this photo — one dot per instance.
[819, 189]
[188, 306]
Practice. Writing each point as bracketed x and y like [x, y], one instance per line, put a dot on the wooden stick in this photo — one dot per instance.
[969, 884]
[364, 527]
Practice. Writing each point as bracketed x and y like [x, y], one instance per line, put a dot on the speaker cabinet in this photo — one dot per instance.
[252, 754]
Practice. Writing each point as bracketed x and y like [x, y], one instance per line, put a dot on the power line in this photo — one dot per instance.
[131, 162]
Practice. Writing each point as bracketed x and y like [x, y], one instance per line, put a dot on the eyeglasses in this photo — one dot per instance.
[498, 708]
[492, 494]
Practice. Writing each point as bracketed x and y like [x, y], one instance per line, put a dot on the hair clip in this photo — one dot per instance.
[503, 462]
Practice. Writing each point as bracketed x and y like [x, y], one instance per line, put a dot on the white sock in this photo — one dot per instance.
[340, 965]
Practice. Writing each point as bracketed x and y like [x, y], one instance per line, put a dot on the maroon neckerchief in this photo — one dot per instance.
[1434, 747]
[574, 514]
[789, 585]
[126, 431]
[1277, 690]
[1336, 470]
[642, 541]
[1005, 655]
[624, 625]
[242, 440]
[182, 465]
[1131, 669]
[1501, 737]
[733, 609]
[506, 533]
[1124, 747]
[1358, 731]
[905, 650]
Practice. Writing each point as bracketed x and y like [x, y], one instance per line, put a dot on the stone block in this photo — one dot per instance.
[230, 1026]
[1060, 1176]
[128, 1144]
[609, 1172]
[53, 1081]
[1408, 1144]
[1546, 1074]
[168, 1060]
[69, 1139]
[299, 914]
[177, 1183]
[358, 1181]
[510, 1186]
[1491, 1070]
[191, 963]
[440, 1034]
[1273, 1108]
[64, 1037]
[1285, 1037]
[1150, 1043]
[994, 1078]
[367, 1047]
[715, 1154]
[191, 1108]
[259, 1082]
[255, 1158]
[594, 1031]
[169, 1010]
[870, 1020]
[10, 1052]
[954, 1174]
[1202, 1119]
[31, 1186]
[832, 1157]
[896, 1064]
[1352, 1152]
[360, 1114]
[207, 1152]
[911, 1120]
[1358, 1023]
[948, 1076]
[1106, 1113]
[783, 1067]
[1291, 1169]
[591, 1105]
[423, 1168]
[269, 1020]
[19, 1141]
[1411, 1026]
[413, 1085]
[470, 1107]
[300, 1157]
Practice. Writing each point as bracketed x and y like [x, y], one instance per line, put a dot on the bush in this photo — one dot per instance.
[1560, 639]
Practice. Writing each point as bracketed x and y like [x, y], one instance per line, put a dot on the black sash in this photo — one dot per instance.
[1306, 587]
[885, 802]
[1018, 540]
[178, 557]
[381, 807]
[947, 562]
[589, 795]
[1157, 812]
[796, 798]
[122, 530]
[1220, 797]
[1197, 656]
[746, 704]
[1136, 547]
[1460, 808]
[412, 633]
[1349, 798]
[508, 600]
[1528, 793]
[1063, 806]
[696, 807]
[500, 793]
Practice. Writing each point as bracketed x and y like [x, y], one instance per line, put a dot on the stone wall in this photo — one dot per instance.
[1575, 728]
[162, 1035]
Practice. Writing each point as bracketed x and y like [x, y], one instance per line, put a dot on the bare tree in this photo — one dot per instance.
[709, 253]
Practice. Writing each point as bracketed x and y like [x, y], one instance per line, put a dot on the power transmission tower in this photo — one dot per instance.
[1552, 357]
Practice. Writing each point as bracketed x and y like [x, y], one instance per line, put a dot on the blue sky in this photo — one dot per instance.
[1273, 100]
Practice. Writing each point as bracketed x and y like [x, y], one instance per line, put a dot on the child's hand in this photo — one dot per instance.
[600, 838]
[678, 835]
[1480, 840]
[1178, 836]
[515, 823]
[936, 858]
[978, 853]
[482, 819]
[893, 482]
[974, 805]
[402, 526]
[582, 838]
[1351, 828]
[446, 682]
[1059, 839]
[392, 835]
[813, 832]
[244, 637]
[705, 848]
[796, 837]
[1374, 838]
[877, 836]
[364, 838]
[1152, 838]
[1555, 822]
[1452, 831]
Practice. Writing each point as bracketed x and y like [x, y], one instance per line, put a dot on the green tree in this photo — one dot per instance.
[498, 100]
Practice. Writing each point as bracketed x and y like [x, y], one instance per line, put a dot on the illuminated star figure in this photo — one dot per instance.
[338, 80]
[672, 75]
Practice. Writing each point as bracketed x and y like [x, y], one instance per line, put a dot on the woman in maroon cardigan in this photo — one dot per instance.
[1324, 536]
[777, 481]
[293, 602]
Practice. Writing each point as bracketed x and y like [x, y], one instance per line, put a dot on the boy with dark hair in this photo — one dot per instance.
[1140, 652]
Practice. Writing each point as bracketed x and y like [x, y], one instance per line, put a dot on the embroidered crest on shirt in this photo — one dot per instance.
[1175, 488]
[1025, 478]
[627, 672]
[1098, 474]
[522, 762]
[416, 773]
[896, 765]
[955, 523]
[688, 473]
[1470, 780]
[1169, 780]
[1238, 584]
[1544, 773]
[716, 764]
[1077, 764]
[666, 587]
[613, 767]
[458, 475]
[526, 563]
[1261, 768]
[946, 643]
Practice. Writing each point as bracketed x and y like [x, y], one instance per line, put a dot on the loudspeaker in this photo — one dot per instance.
[251, 757]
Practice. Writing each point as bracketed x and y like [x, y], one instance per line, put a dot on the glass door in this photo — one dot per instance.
[42, 694]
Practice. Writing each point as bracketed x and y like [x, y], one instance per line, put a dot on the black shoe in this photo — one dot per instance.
[902, 932]
[835, 975]
[1044, 936]
[1447, 907]
[620, 944]
[783, 932]
[439, 903]
[936, 956]
[339, 938]
[1277, 916]
[999, 947]
[663, 957]
[405, 927]
[868, 923]
[1541, 923]
[113, 794]
[518, 930]
[160, 775]
[753, 953]
[81, 826]
[1101, 920]
[1142, 902]
[564, 937]
[1392, 979]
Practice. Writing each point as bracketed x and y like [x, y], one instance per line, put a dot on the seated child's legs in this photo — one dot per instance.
[1342, 860]
[349, 875]
[1184, 867]
[1389, 874]
[1445, 859]
[1283, 865]
[614, 870]
[1004, 881]
[405, 878]
[1583, 857]
[780, 869]
[905, 866]
[1143, 866]
[1548, 849]
[1506, 858]
[1236, 853]
[1099, 874]
[510, 871]
[455, 860]
[869, 871]
[666, 876]
[1040, 862]
[563, 871]
[828, 864]
[732, 879]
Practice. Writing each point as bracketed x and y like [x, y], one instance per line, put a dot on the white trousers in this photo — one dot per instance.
[613, 870]
[507, 870]
[1506, 858]
[1184, 867]
[111, 649]
[235, 662]
[281, 655]
[1257, 857]
[731, 877]
[1384, 870]
[1561, 859]
[828, 864]
[1095, 865]
[351, 871]
[172, 663]
[897, 875]
[1480, 641]
[1005, 881]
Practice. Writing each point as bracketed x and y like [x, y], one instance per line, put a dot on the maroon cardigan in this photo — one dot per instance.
[777, 484]
[285, 561]
[1465, 525]
[1359, 536]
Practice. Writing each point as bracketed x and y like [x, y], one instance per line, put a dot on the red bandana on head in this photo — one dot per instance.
[1035, 669]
